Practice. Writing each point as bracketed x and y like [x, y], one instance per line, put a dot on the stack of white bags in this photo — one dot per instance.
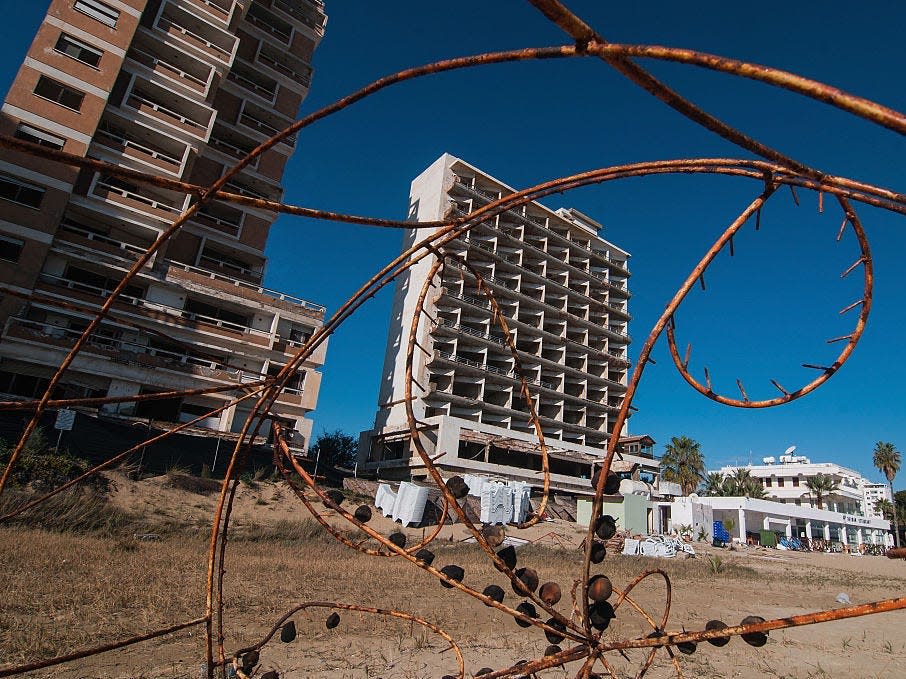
[500, 502]
[406, 505]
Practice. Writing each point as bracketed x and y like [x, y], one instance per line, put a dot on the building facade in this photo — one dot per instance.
[786, 482]
[563, 290]
[750, 516]
[183, 89]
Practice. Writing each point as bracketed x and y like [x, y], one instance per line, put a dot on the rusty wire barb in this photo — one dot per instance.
[595, 599]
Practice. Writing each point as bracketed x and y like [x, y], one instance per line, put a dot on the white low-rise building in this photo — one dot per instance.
[785, 480]
[750, 516]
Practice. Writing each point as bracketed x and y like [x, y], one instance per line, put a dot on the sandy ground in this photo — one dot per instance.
[264, 579]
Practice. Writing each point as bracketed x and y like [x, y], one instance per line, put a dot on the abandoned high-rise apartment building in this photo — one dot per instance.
[183, 89]
[563, 291]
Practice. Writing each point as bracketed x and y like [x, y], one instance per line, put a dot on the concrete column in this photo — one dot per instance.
[788, 529]
[843, 534]
[767, 524]
[859, 539]
[808, 529]
[827, 532]
[226, 418]
[741, 522]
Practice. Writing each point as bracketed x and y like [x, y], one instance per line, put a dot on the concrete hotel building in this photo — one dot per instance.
[180, 88]
[563, 290]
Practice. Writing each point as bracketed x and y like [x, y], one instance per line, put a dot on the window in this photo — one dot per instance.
[780, 482]
[57, 92]
[98, 11]
[795, 482]
[36, 136]
[76, 49]
[767, 483]
[10, 248]
[19, 192]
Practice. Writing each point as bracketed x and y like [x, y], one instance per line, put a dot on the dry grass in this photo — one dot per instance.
[61, 591]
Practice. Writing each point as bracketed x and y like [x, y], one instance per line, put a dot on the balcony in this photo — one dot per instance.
[185, 27]
[93, 242]
[178, 271]
[164, 313]
[181, 114]
[140, 144]
[264, 123]
[249, 80]
[303, 13]
[130, 353]
[176, 66]
[133, 199]
[222, 10]
[268, 22]
[294, 69]
[221, 219]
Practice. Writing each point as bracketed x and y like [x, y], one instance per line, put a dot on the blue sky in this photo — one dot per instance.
[765, 312]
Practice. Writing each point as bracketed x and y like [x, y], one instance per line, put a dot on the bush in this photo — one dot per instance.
[39, 466]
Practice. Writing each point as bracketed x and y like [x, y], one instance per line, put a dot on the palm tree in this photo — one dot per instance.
[754, 489]
[884, 507]
[714, 485]
[743, 484]
[887, 460]
[822, 485]
[683, 463]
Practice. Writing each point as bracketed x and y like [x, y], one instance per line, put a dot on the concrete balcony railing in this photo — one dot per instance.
[242, 288]
[297, 11]
[257, 18]
[132, 353]
[148, 204]
[172, 24]
[266, 92]
[222, 10]
[169, 70]
[302, 77]
[258, 125]
[163, 313]
[94, 242]
[156, 158]
[140, 101]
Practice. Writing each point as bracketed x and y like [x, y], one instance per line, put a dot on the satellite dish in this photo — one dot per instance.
[789, 451]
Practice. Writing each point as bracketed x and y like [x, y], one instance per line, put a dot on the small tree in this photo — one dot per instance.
[887, 460]
[714, 485]
[683, 463]
[335, 448]
[884, 507]
[820, 486]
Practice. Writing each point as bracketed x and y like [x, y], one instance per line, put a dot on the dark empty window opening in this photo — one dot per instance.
[166, 409]
[229, 319]
[20, 192]
[36, 136]
[57, 92]
[10, 248]
[99, 284]
[78, 50]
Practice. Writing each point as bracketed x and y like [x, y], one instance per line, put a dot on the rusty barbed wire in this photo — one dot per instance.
[591, 616]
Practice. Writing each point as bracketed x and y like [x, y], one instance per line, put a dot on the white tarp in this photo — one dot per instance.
[496, 503]
[630, 547]
[521, 500]
[410, 503]
[475, 483]
[384, 499]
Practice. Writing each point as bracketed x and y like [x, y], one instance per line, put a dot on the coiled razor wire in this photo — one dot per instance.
[582, 630]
